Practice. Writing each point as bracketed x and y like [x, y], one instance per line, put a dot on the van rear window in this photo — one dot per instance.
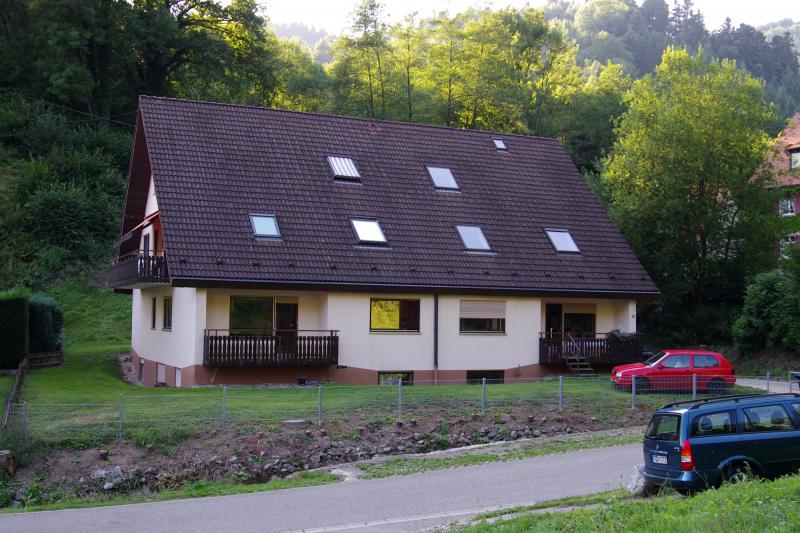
[663, 427]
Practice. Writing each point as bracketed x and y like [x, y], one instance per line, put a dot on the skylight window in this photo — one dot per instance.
[265, 226]
[473, 238]
[562, 241]
[442, 178]
[343, 168]
[368, 231]
[500, 145]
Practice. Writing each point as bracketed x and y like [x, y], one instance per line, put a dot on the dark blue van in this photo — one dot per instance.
[698, 444]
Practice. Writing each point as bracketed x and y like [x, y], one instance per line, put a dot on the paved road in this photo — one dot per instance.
[404, 503]
[773, 386]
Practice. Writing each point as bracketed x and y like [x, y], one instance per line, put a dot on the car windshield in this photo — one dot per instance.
[663, 427]
[655, 359]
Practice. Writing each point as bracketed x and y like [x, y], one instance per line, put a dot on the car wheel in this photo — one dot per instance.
[642, 385]
[739, 473]
[716, 387]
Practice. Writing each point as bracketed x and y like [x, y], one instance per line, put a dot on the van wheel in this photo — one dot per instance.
[642, 385]
[738, 473]
[716, 387]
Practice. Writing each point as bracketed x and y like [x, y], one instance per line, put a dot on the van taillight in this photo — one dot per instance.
[687, 463]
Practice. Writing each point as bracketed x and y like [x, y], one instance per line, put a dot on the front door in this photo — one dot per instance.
[286, 326]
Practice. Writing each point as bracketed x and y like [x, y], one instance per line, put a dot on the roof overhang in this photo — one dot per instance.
[221, 283]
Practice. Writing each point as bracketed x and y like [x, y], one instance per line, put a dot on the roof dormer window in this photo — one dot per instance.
[343, 168]
[473, 238]
[794, 160]
[500, 145]
[368, 231]
[562, 241]
[442, 178]
[265, 226]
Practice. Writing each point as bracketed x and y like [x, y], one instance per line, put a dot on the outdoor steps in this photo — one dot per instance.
[579, 366]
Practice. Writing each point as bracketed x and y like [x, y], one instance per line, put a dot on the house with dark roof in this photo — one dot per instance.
[785, 164]
[273, 246]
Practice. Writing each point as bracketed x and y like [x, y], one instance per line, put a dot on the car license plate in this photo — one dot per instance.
[659, 459]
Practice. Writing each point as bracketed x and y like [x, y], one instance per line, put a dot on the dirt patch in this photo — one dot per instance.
[258, 453]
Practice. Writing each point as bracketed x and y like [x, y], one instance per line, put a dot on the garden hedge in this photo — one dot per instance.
[14, 341]
[46, 324]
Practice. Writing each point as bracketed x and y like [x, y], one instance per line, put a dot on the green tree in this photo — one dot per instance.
[680, 176]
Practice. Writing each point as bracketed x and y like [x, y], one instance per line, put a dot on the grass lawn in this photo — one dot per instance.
[198, 489]
[402, 466]
[754, 506]
[5, 384]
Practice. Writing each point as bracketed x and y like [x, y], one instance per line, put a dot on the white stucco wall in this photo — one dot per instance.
[152, 204]
[518, 346]
[181, 346]
[360, 348]
[197, 309]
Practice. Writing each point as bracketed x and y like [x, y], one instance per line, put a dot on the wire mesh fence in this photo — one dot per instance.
[228, 406]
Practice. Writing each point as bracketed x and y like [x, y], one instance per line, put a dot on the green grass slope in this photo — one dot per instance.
[756, 506]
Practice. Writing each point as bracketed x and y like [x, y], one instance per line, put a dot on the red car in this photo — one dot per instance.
[673, 370]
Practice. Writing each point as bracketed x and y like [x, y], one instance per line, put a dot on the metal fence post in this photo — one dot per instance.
[694, 386]
[319, 405]
[399, 398]
[483, 395]
[768, 379]
[224, 405]
[633, 392]
[24, 416]
[560, 393]
[119, 426]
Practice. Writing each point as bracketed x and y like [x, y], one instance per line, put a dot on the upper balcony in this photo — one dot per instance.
[137, 270]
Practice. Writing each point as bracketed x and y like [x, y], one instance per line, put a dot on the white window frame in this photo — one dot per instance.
[570, 247]
[460, 228]
[254, 216]
[443, 178]
[366, 223]
[794, 160]
[786, 206]
[343, 167]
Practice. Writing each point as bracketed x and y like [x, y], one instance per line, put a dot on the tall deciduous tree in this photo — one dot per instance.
[681, 181]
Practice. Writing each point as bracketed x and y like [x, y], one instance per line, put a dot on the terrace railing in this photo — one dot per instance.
[270, 348]
[600, 348]
[137, 268]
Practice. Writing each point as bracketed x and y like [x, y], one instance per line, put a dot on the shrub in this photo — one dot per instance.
[46, 324]
[770, 311]
[13, 327]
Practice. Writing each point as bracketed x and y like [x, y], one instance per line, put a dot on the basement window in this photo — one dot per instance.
[368, 231]
[473, 238]
[265, 226]
[562, 241]
[343, 168]
[442, 178]
[500, 145]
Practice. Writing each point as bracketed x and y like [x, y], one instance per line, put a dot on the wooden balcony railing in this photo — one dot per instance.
[276, 348]
[136, 268]
[601, 348]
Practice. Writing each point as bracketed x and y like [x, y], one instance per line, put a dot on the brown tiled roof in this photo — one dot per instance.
[214, 164]
[788, 142]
